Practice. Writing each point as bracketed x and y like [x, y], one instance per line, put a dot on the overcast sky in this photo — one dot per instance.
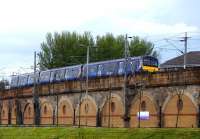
[24, 24]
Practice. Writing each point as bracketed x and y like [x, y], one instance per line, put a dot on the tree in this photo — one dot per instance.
[64, 49]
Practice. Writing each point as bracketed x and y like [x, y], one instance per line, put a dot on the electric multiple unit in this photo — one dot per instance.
[116, 67]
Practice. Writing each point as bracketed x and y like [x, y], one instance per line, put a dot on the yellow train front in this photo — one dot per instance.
[149, 64]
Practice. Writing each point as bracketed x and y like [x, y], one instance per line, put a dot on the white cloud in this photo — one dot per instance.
[24, 23]
[44, 15]
[150, 27]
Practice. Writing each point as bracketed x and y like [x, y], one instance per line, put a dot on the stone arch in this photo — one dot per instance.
[4, 113]
[149, 104]
[46, 113]
[186, 117]
[65, 111]
[112, 112]
[28, 113]
[87, 111]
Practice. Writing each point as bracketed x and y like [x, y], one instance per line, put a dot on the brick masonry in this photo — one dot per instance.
[171, 98]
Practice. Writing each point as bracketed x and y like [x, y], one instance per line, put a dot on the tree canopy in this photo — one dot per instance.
[70, 48]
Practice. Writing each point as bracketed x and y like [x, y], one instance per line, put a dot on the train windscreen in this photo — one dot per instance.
[150, 61]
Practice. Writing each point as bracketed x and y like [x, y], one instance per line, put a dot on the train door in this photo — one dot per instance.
[100, 69]
[121, 68]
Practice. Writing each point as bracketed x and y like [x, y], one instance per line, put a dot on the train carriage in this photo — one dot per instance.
[98, 69]
[149, 64]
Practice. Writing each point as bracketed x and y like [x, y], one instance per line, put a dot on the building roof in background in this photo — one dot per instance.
[193, 59]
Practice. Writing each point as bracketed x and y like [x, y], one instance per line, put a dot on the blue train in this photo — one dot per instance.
[98, 69]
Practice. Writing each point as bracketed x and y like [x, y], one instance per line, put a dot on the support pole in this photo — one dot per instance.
[185, 40]
[126, 113]
[139, 108]
[185, 55]
[35, 97]
[88, 52]
[57, 110]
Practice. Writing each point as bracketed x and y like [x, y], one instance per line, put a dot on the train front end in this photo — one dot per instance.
[150, 64]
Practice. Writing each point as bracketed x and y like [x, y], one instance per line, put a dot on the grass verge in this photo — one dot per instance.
[98, 133]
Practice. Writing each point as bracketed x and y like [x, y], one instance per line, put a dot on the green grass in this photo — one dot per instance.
[98, 133]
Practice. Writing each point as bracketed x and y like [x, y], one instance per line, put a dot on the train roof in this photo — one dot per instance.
[60, 68]
[114, 60]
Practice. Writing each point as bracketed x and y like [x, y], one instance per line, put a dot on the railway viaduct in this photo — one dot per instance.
[172, 99]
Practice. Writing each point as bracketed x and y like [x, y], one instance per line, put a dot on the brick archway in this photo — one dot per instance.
[46, 113]
[112, 112]
[13, 114]
[65, 112]
[4, 114]
[147, 105]
[187, 115]
[88, 112]
[28, 114]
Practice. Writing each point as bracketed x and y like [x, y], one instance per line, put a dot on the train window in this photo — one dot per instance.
[150, 61]
[23, 80]
[52, 77]
[72, 73]
[14, 81]
[31, 78]
[92, 69]
[109, 68]
[60, 75]
[44, 76]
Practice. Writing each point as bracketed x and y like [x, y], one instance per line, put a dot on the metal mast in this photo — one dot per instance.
[35, 97]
